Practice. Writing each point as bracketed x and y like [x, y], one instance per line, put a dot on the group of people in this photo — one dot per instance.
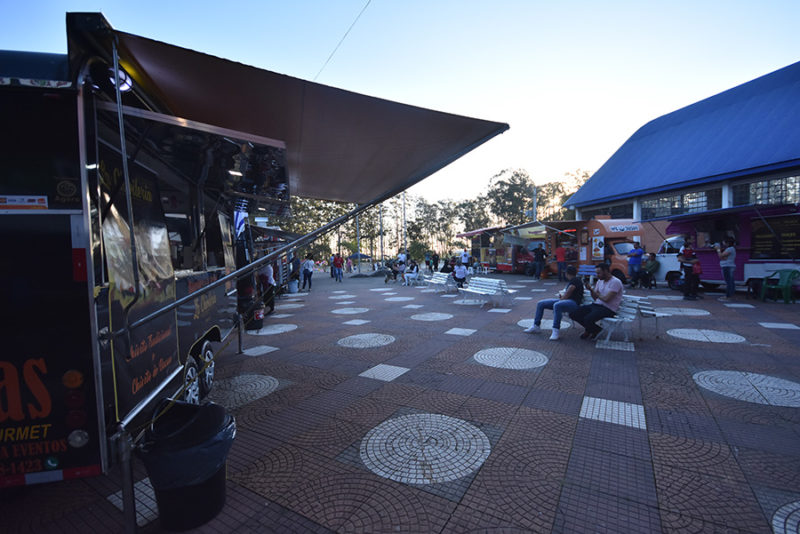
[690, 264]
[607, 296]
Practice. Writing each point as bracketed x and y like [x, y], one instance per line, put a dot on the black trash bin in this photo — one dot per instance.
[184, 452]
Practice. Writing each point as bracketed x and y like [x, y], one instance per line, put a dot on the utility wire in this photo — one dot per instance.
[342, 40]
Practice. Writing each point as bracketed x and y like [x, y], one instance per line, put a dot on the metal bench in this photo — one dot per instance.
[445, 281]
[587, 270]
[487, 289]
[417, 280]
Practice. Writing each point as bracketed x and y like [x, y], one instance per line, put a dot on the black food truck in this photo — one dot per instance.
[129, 169]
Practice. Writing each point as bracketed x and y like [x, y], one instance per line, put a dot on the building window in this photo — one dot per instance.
[682, 203]
[621, 211]
[784, 190]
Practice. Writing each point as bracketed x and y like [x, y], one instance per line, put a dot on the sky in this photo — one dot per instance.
[573, 79]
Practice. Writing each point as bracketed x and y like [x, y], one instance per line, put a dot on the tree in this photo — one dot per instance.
[510, 195]
[472, 213]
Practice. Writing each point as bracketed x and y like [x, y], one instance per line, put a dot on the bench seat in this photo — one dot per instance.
[487, 289]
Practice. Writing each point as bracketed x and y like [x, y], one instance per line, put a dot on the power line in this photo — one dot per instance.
[342, 40]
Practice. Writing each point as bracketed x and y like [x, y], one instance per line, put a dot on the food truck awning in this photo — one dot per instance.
[473, 233]
[532, 230]
[340, 145]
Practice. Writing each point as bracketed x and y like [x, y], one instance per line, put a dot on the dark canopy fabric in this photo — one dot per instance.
[745, 130]
[340, 145]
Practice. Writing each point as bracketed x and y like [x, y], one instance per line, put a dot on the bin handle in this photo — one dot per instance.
[156, 415]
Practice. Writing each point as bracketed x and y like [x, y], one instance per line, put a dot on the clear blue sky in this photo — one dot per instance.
[574, 79]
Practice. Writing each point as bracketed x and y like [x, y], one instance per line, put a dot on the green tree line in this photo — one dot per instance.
[432, 226]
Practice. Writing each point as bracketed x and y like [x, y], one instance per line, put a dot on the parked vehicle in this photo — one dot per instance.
[766, 240]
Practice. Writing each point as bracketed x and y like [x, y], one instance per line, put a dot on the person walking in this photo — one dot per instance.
[336, 266]
[607, 295]
[308, 270]
[727, 260]
[568, 301]
[561, 261]
[538, 261]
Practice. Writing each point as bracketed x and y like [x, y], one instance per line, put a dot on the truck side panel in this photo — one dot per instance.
[48, 423]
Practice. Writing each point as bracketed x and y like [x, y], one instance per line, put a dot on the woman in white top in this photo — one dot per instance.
[727, 260]
[411, 273]
[308, 270]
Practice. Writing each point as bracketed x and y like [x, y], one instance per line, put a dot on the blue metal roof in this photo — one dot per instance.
[752, 128]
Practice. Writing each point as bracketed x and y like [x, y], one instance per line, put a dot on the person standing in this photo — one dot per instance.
[607, 295]
[337, 263]
[333, 275]
[308, 270]
[727, 260]
[460, 274]
[465, 258]
[688, 259]
[266, 280]
[568, 301]
[635, 263]
[561, 261]
[435, 260]
[538, 261]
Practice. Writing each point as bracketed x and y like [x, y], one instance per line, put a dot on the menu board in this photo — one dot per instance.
[777, 238]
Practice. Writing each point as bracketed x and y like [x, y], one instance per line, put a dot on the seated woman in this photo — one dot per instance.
[460, 274]
[411, 273]
[568, 301]
[647, 276]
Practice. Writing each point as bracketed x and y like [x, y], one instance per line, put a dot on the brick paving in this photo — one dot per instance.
[449, 418]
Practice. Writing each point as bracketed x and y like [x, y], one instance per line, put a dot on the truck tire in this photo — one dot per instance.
[619, 274]
[673, 280]
[207, 367]
[191, 381]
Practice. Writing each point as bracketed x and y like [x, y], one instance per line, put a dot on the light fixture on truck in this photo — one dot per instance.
[72, 379]
[78, 438]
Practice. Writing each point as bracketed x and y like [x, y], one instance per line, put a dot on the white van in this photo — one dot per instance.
[669, 268]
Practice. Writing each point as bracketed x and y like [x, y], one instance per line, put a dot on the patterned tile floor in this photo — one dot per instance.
[421, 414]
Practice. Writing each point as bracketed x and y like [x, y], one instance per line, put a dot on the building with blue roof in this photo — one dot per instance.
[738, 148]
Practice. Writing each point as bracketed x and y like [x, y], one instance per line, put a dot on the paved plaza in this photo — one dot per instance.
[366, 407]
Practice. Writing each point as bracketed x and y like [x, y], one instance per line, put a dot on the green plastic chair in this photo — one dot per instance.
[786, 278]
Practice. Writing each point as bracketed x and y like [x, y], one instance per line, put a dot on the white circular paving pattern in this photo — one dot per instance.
[341, 297]
[242, 389]
[424, 449]
[664, 297]
[399, 299]
[432, 316]
[689, 312]
[786, 519]
[350, 311]
[382, 289]
[366, 341]
[751, 387]
[271, 330]
[708, 336]
[547, 324]
[510, 358]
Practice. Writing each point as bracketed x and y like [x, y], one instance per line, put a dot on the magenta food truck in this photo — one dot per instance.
[767, 239]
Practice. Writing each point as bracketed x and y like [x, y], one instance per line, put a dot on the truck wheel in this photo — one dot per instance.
[619, 274]
[207, 364]
[191, 381]
[673, 281]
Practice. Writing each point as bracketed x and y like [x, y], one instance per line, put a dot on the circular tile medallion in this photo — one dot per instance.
[510, 358]
[242, 389]
[431, 316]
[708, 336]
[751, 387]
[350, 311]
[424, 449]
[366, 341]
[786, 519]
[272, 329]
[259, 350]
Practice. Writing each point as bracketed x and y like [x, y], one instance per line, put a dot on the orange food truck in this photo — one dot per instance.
[594, 241]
